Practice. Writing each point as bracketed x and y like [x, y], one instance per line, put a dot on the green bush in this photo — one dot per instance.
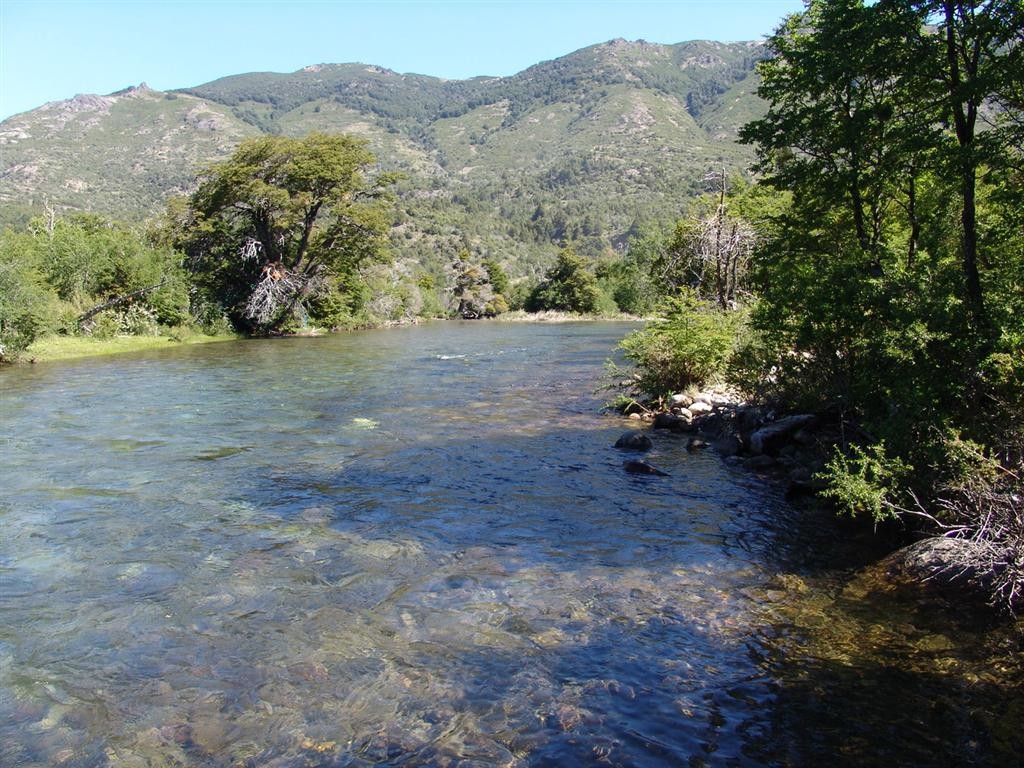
[569, 286]
[519, 294]
[688, 345]
[496, 306]
[865, 481]
[24, 309]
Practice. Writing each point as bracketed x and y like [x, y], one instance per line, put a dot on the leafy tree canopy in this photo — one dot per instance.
[282, 222]
[569, 286]
[888, 287]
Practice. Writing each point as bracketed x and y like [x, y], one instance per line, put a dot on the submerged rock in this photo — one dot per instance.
[759, 462]
[634, 441]
[728, 444]
[695, 444]
[803, 480]
[635, 467]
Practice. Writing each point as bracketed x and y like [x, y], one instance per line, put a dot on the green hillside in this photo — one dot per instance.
[585, 147]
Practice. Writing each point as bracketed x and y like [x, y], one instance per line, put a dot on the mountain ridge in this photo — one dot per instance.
[585, 147]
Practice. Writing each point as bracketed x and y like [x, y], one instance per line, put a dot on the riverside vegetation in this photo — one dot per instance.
[872, 275]
[884, 293]
[287, 235]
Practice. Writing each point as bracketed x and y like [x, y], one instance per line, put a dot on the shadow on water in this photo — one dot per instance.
[779, 655]
[420, 548]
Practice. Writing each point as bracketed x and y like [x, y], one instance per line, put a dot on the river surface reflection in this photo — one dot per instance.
[418, 547]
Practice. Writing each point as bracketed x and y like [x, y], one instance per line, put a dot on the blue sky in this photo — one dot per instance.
[53, 49]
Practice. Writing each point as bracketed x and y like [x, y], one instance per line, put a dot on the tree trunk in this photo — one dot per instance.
[965, 113]
[116, 302]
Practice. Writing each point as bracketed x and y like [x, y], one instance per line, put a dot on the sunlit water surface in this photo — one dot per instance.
[419, 547]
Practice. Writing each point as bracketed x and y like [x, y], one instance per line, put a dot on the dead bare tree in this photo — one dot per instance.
[84, 319]
[279, 291]
[993, 519]
[722, 245]
[987, 518]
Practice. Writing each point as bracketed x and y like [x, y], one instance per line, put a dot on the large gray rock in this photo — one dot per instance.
[955, 567]
[634, 441]
[670, 421]
[700, 408]
[771, 437]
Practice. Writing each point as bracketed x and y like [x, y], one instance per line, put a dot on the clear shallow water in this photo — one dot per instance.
[418, 547]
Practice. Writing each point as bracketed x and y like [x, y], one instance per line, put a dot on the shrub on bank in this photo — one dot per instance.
[688, 345]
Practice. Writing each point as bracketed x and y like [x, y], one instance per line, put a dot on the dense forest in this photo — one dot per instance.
[884, 292]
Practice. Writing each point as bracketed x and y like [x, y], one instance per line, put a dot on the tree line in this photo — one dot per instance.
[286, 234]
[885, 290]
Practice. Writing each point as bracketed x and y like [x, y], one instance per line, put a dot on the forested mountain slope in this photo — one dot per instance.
[585, 147]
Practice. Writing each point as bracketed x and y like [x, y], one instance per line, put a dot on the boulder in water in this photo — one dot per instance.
[668, 421]
[958, 568]
[728, 444]
[759, 463]
[634, 441]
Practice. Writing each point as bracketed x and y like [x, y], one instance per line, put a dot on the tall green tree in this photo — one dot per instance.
[976, 60]
[569, 286]
[498, 276]
[883, 284]
[282, 222]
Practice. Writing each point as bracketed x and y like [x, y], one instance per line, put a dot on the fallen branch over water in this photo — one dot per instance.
[118, 301]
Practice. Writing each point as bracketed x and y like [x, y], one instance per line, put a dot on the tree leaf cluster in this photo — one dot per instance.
[276, 228]
[568, 286]
[890, 285]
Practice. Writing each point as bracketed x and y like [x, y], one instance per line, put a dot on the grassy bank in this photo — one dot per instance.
[55, 347]
[51, 348]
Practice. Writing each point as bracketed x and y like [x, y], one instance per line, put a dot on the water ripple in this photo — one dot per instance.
[407, 547]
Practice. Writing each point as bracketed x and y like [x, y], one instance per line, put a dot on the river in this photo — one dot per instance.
[418, 547]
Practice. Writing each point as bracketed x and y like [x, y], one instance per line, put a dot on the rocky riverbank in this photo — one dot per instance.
[793, 449]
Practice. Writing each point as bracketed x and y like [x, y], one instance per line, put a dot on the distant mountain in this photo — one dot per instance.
[585, 147]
